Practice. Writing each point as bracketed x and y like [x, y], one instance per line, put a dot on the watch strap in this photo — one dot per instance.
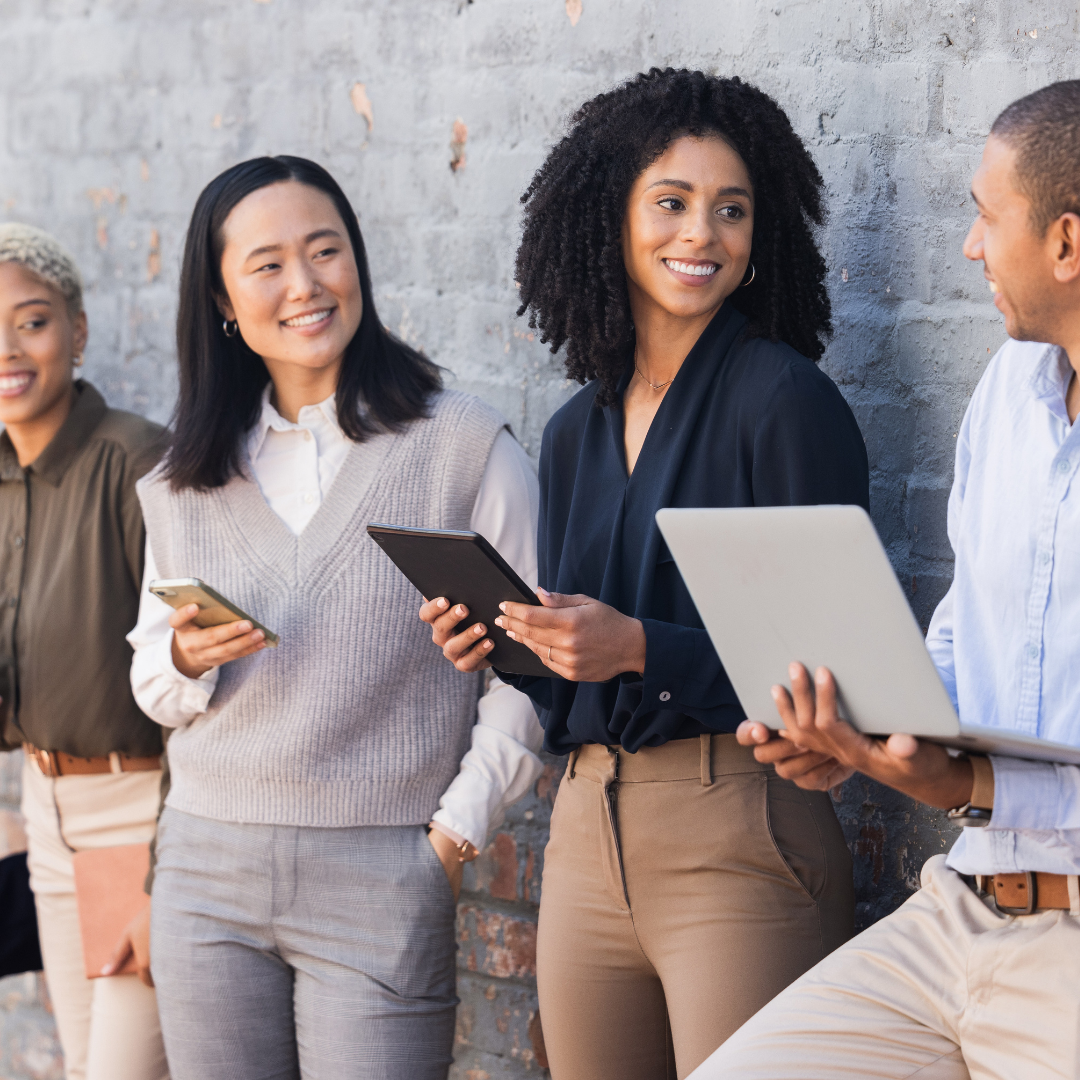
[982, 790]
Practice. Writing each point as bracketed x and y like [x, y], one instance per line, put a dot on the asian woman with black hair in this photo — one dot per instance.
[326, 792]
[669, 245]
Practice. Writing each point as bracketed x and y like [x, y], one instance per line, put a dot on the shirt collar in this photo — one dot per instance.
[271, 420]
[1050, 379]
[86, 414]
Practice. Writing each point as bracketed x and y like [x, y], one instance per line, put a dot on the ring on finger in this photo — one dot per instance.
[549, 654]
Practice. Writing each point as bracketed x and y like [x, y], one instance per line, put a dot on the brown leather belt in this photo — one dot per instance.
[55, 763]
[1022, 894]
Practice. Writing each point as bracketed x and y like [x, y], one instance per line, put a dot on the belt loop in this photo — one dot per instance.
[114, 762]
[573, 761]
[706, 761]
[1074, 894]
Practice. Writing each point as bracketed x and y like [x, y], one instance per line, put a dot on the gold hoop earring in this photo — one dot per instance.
[225, 326]
[753, 274]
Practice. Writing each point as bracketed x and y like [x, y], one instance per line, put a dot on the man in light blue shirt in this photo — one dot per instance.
[978, 974]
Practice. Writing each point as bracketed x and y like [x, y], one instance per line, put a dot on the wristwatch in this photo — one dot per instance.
[978, 810]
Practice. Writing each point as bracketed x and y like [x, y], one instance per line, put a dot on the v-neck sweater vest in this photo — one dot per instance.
[356, 718]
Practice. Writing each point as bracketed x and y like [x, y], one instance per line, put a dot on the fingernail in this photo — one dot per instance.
[107, 969]
[487, 645]
[244, 627]
[441, 602]
[499, 622]
[821, 675]
[511, 634]
[775, 691]
[502, 608]
[793, 671]
[478, 629]
[543, 592]
[258, 635]
[460, 610]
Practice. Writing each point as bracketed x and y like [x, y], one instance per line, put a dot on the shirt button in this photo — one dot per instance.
[1044, 558]
[664, 695]
[1063, 466]
[19, 541]
[1033, 652]
[309, 498]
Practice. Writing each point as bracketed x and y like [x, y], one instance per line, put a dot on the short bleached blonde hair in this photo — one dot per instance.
[43, 255]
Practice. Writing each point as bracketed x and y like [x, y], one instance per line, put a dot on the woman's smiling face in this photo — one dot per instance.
[688, 228]
[39, 341]
[290, 277]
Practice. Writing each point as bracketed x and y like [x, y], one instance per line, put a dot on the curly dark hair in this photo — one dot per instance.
[570, 268]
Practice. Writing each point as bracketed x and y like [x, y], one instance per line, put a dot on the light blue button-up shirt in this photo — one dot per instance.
[1006, 637]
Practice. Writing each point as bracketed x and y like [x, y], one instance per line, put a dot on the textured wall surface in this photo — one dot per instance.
[433, 115]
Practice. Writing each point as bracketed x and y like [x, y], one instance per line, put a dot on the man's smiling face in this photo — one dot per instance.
[1014, 256]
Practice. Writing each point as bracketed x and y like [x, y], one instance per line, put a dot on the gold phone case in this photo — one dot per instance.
[214, 609]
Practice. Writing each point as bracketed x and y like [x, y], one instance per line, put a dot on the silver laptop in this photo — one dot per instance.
[813, 584]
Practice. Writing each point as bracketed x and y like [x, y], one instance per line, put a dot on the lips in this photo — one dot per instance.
[693, 272]
[308, 319]
[14, 383]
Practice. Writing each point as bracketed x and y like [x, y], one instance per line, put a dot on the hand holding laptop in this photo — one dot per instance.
[817, 749]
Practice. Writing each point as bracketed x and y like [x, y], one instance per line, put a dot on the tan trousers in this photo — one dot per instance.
[945, 988]
[109, 1028]
[678, 897]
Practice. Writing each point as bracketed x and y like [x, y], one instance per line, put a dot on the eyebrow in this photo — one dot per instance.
[318, 234]
[683, 185]
[27, 303]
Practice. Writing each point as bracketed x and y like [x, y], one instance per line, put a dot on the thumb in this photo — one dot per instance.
[556, 599]
[902, 746]
[120, 955]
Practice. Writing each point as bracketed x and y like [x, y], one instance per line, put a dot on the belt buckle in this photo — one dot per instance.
[1032, 898]
[46, 762]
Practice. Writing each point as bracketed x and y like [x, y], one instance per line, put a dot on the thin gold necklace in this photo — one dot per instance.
[655, 386]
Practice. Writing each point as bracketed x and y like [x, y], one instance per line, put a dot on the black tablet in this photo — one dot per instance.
[466, 569]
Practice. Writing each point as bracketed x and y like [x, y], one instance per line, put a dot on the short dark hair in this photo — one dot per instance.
[1044, 130]
[383, 383]
[570, 265]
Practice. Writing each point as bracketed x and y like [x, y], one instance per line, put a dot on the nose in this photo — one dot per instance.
[973, 242]
[9, 344]
[698, 226]
[302, 283]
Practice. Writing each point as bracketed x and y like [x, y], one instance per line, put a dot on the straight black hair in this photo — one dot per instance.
[383, 385]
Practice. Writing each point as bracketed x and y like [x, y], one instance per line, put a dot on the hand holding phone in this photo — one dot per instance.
[208, 629]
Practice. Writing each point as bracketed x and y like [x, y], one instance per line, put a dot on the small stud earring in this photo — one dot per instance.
[78, 361]
[225, 326]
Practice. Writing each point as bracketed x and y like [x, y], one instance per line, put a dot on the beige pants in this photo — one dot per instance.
[109, 1028]
[678, 898]
[945, 988]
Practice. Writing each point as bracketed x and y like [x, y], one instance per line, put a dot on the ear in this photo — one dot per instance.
[81, 334]
[1063, 239]
[225, 308]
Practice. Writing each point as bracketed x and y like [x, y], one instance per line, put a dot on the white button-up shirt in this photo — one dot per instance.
[1006, 637]
[295, 466]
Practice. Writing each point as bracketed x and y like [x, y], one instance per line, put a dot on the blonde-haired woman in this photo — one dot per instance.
[71, 550]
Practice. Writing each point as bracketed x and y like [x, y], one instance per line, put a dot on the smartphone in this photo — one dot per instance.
[214, 609]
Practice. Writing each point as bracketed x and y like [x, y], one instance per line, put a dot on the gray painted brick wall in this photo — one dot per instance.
[114, 114]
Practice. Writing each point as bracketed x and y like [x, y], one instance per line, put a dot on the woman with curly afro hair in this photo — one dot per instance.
[669, 247]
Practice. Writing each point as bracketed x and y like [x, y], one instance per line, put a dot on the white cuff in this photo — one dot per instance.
[495, 772]
[1035, 795]
[162, 692]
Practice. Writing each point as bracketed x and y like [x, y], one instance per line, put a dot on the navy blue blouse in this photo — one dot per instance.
[745, 423]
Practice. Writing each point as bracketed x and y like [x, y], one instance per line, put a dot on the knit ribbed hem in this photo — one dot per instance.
[320, 804]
